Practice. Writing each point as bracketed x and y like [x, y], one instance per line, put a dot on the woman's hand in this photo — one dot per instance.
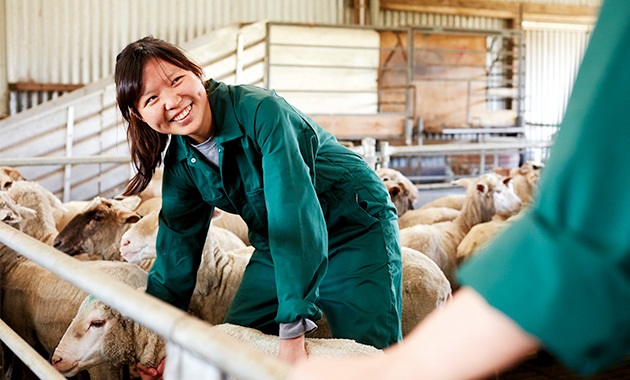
[151, 373]
[292, 349]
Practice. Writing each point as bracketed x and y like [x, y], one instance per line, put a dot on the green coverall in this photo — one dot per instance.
[324, 229]
[562, 272]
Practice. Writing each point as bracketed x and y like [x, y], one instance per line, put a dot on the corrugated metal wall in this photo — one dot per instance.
[398, 18]
[552, 61]
[76, 41]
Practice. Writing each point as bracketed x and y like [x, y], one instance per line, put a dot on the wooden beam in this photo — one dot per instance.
[49, 87]
[357, 126]
[573, 14]
[486, 8]
[499, 9]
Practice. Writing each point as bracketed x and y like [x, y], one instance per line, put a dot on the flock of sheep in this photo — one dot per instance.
[117, 237]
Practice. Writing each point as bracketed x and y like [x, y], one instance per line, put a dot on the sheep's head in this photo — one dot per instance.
[401, 190]
[138, 242]
[97, 230]
[11, 213]
[9, 175]
[97, 334]
[495, 194]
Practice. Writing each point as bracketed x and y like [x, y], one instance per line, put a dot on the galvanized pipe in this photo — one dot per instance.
[174, 325]
[40, 367]
[76, 160]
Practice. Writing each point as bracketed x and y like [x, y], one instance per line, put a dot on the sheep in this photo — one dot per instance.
[8, 175]
[525, 179]
[149, 205]
[99, 334]
[429, 215]
[233, 223]
[32, 195]
[485, 196]
[482, 234]
[401, 190]
[98, 228]
[36, 303]
[454, 201]
[424, 285]
[138, 242]
[74, 208]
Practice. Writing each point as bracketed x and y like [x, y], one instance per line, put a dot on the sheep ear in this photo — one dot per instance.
[14, 174]
[130, 217]
[131, 202]
[394, 191]
[482, 188]
[502, 171]
[463, 182]
[217, 214]
[507, 180]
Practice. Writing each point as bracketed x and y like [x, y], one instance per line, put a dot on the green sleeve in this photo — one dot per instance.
[298, 239]
[562, 272]
[183, 227]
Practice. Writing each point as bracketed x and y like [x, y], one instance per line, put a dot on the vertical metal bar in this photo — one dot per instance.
[375, 10]
[4, 83]
[468, 94]
[67, 172]
[521, 69]
[266, 80]
[411, 54]
[369, 151]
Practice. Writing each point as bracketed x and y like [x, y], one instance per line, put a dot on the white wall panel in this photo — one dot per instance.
[552, 61]
[76, 41]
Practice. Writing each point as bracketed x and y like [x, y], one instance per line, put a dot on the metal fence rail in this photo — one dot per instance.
[182, 332]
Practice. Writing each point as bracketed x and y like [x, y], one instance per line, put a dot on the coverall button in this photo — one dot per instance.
[193, 160]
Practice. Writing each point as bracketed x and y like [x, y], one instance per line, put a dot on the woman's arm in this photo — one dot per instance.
[467, 339]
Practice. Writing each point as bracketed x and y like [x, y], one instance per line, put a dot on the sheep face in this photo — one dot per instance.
[401, 190]
[86, 342]
[97, 229]
[506, 202]
[138, 242]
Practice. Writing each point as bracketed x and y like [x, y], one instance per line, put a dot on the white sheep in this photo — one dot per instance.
[138, 242]
[525, 179]
[220, 273]
[401, 190]
[34, 196]
[37, 304]
[149, 205]
[485, 196]
[233, 223]
[8, 175]
[482, 234]
[454, 201]
[99, 334]
[429, 215]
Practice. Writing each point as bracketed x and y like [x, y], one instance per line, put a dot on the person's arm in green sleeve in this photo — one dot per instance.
[297, 230]
[183, 226]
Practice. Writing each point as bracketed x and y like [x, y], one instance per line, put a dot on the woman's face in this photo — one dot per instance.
[174, 101]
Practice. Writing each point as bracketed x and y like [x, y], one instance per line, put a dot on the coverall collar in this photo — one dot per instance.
[227, 127]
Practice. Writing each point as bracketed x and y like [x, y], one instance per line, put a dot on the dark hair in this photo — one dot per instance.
[146, 145]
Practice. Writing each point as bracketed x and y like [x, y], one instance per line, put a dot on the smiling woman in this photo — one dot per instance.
[174, 101]
[328, 245]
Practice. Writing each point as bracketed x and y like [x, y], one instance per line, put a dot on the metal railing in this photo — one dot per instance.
[190, 335]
